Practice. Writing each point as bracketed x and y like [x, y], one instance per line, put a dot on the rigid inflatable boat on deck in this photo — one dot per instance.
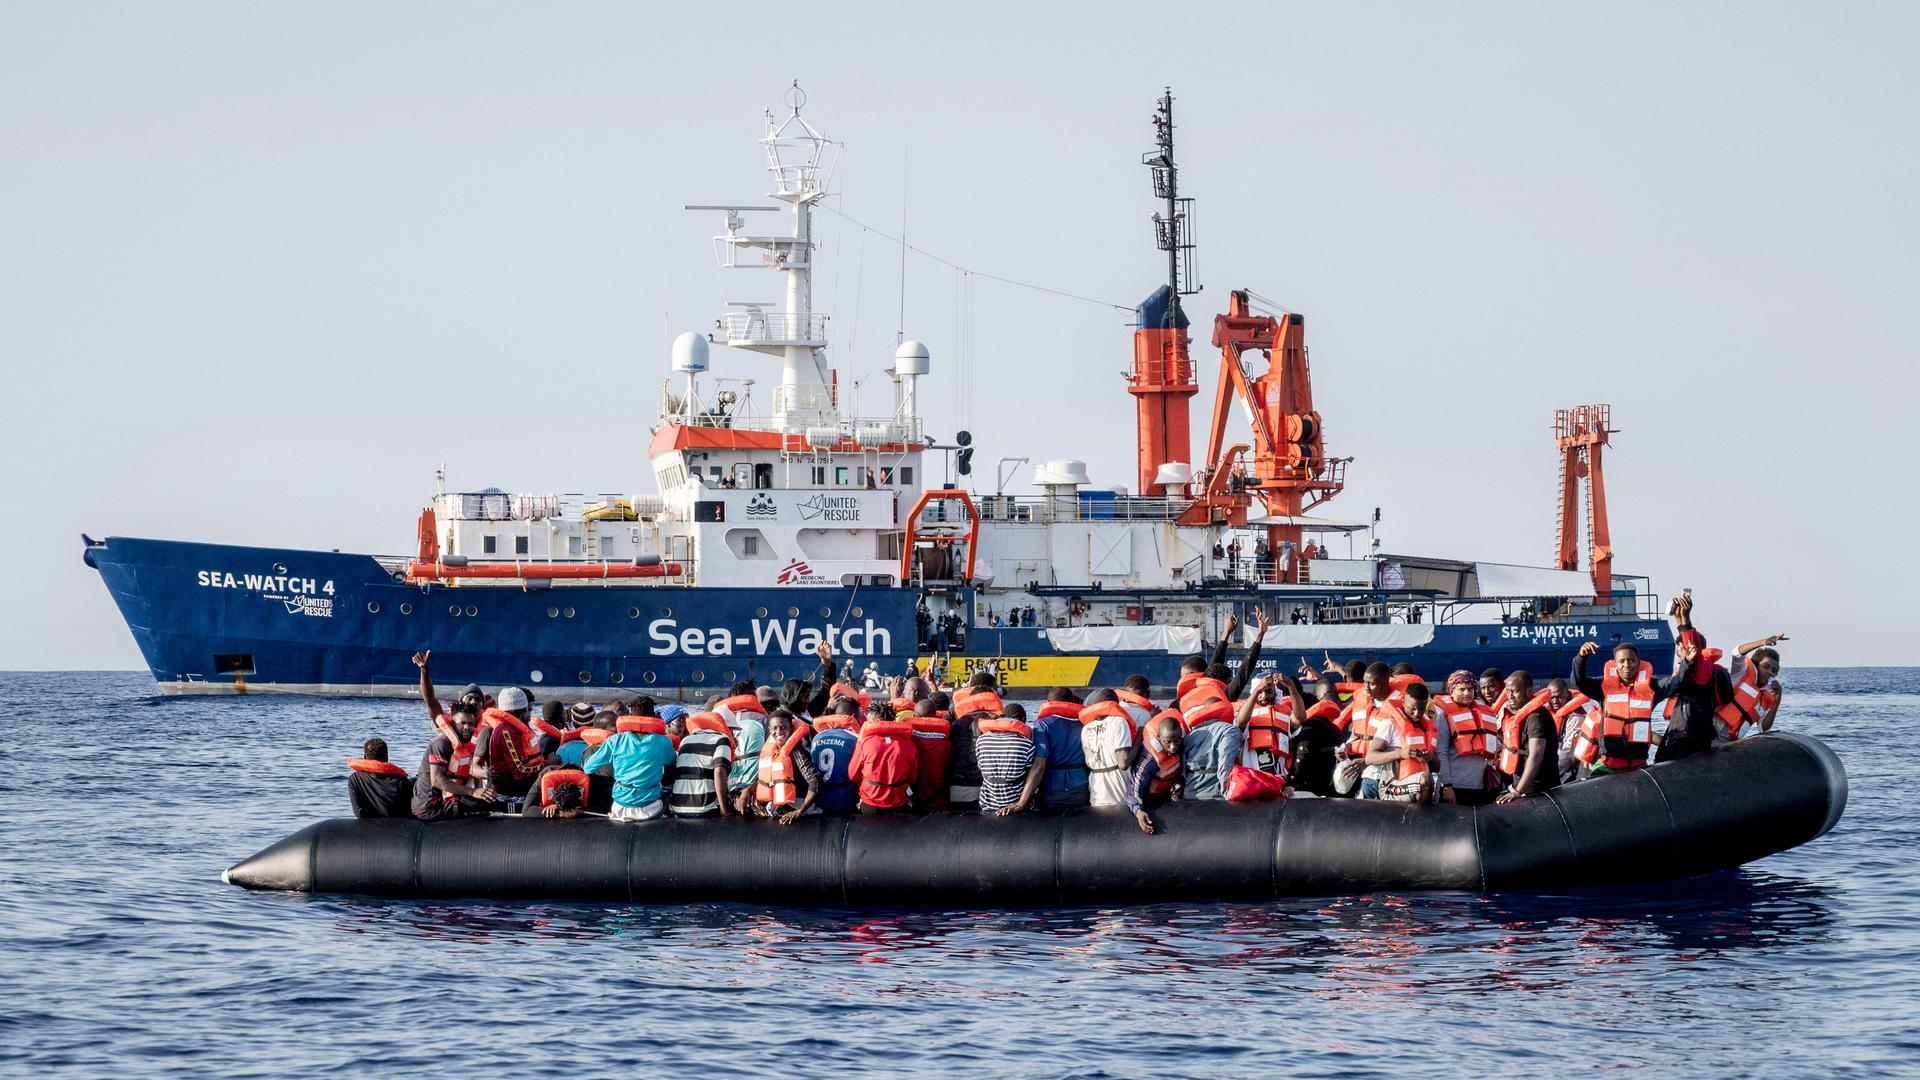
[1760, 796]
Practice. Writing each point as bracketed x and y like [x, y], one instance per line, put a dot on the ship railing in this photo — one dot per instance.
[757, 326]
[1084, 506]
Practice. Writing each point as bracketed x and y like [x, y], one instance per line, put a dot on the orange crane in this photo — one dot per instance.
[1289, 471]
[1581, 432]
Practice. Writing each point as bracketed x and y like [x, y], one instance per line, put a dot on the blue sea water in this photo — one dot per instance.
[122, 953]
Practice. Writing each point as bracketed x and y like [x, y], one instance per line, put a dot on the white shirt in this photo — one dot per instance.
[1107, 746]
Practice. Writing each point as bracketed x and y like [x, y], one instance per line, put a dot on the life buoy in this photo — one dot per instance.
[376, 768]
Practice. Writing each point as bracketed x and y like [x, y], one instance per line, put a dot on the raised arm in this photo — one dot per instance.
[1763, 643]
[823, 682]
[1299, 700]
[1239, 683]
[1582, 681]
[434, 712]
[1226, 634]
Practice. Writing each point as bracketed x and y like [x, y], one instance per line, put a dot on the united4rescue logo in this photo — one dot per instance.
[798, 572]
[300, 595]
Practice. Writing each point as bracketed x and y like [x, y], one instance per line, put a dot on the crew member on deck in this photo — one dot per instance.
[377, 787]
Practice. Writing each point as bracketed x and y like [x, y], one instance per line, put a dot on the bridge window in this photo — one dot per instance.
[519, 545]
[820, 474]
[488, 545]
[840, 475]
[906, 475]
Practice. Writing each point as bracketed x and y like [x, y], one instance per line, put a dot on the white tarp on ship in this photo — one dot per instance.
[1505, 579]
[1337, 638]
[1174, 640]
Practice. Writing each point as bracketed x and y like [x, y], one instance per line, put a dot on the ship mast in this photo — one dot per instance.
[806, 399]
[1161, 381]
[1173, 229]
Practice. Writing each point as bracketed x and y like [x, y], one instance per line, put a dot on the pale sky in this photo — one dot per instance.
[264, 267]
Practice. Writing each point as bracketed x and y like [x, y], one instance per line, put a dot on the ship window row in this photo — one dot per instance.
[490, 545]
[856, 475]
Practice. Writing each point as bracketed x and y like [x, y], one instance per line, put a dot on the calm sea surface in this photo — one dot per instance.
[121, 953]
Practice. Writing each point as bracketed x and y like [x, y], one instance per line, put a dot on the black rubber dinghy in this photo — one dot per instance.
[1760, 796]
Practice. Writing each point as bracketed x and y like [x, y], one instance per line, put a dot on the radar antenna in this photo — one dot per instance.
[1173, 228]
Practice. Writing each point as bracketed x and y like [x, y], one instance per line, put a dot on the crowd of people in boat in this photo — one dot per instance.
[826, 746]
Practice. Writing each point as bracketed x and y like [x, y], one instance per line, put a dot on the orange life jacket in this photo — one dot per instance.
[740, 707]
[517, 729]
[460, 762]
[1005, 726]
[1361, 713]
[594, 736]
[834, 720]
[1510, 727]
[890, 770]
[1100, 712]
[1069, 709]
[556, 778]
[1397, 696]
[1626, 722]
[1270, 736]
[1574, 704]
[1323, 710]
[968, 702]
[644, 725]
[1750, 702]
[1473, 729]
[1200, 690]
[706, 721]
[539, 724]
[930, 727]
[1186, 683]
[1418, 734]
[1205, 712]
[774, 784]
[378, 768]
[1167, 766]
[902, 705]
[1139, 709]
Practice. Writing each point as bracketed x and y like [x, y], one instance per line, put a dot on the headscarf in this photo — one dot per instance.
[1462, 677]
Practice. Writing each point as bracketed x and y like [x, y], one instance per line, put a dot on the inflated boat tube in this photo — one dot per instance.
[1757, 797]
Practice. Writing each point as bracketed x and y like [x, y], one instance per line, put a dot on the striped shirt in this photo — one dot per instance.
[1004, 758]
[692, 794]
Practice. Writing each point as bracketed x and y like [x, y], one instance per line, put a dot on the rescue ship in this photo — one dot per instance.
[774, 526]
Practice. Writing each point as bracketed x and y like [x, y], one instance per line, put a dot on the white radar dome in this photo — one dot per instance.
[1061, 472]
[911, 358]
[689, 352]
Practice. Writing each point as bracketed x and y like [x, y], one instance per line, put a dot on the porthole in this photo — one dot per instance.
[779, 676]
[586, 676]
[373, 607]
[535, 675]
[666, 613]
[699, 676]
[633, 613]
[454, 611]
[406, 609]
[1482, 639]
[730, 678]
[568, 612]
[759, 613]
[793, 613]
[826, 613]
[619, 677]
[553, 613]
[857, 613]
[647, 677]
[472, 611]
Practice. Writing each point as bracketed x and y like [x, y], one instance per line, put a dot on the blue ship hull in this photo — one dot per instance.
[217, 619]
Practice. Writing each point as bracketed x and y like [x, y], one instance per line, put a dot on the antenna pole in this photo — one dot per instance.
[1165, 126]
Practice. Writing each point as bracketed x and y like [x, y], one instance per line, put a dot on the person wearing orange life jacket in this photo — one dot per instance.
[508, 748]
[472, 698]
[701, 768]
[1619, 734]
[1402, 677]
[933, 745]
[1109, 736]
[746, 717]
[1493, 688]
[1056, 738]
[1211, 746]
[1529, 744]
[1318, 741]
[788, 783]
[835, 735]
[640, 757]
[559, 793]
[1011, 769]
[445, 787]
[1268, 721]
[1369, 718]
[885, 762]
[1570, 708]
[1156, 776]
[1133, 696]
[1755, 671]
[981, 695]
[376, 787]
[1405, 739]
[1468, 733]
